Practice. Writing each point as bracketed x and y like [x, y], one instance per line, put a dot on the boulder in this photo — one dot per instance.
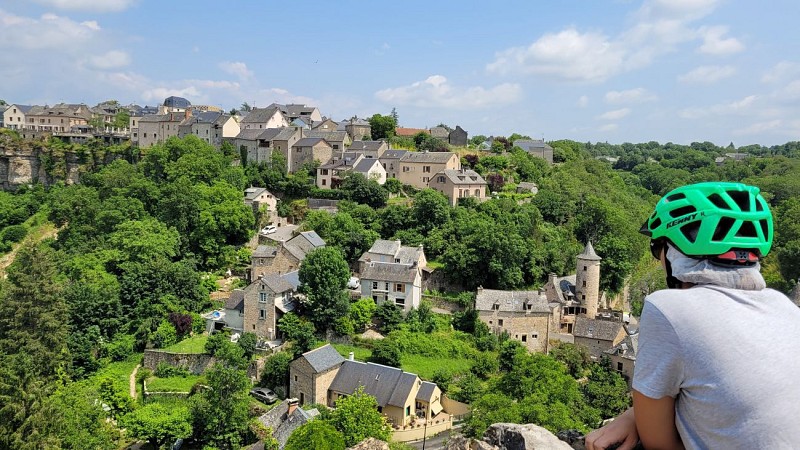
[370, 444]
[510, 436]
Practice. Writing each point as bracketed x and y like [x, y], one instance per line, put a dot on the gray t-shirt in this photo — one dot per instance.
[731, 358]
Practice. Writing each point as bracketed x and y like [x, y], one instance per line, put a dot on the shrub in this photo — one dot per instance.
[181, 322]
[165, 335]
[120, 348]
[13, 233]
[386, 352]
[216, 341]
[164, 370]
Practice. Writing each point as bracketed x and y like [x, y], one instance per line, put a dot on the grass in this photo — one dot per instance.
[173, 384]
[119, 371]
[432, 264]
[195, 345]
[361, 353]
[426, 366]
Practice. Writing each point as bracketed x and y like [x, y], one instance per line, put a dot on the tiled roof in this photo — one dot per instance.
[313, 238]
[276, 283]
[511, 301]
[264, 251]
[236, 300]
[285, 133]
[248, 134]
[389, 385]
[464, 176]
[399, 131]
[293, 278]
[330, 136]
[323, 358]
[253, 192]
[589, 254]
[385, 247]
[309, 142]
[627, 348]
[381, 271]
[596, 329]
[366, 145]
[261, 115]
[427, 157]
[364, 165]
[23, 108]
[426, 391]
[284, 425]
[530, 144]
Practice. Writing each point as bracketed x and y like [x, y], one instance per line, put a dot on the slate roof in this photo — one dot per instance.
[264, 251]
[253, 192]
[300, 245]
[313, 238]
[365, 165]
[276, 283]
[527, 185]
[426, 391]
[589, 254]
[293, 278]
[385, 247]
[394, 154]
[427, 157]
[511, 301]
[565, 288]
[531, 144]
[171, 117]
[236, 300]
[384, 271]
[389, 385]
[309, 142]
[440, 132]
[627, 348]
[463, 176]
[284, 134]
[323, 358]
[177, 102]
[366, 145]
[23, 108]
[330, 136]
[261, 115]
[605, 330]
[284, 425]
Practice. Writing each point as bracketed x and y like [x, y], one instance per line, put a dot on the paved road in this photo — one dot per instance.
[433, 443]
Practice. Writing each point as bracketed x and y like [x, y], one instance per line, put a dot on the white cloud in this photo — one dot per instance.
[781, 72]
[707, 74]
[569, 55]
[437, 92]
[89, 5]
[113, 59]
[236, 68]
[738, 107]
[615, 114]
[637, 95]
[760, 127]
[49, 32]
[714, 42]
[583, 101]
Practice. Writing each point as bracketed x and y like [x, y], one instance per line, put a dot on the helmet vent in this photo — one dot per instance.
[723, 227]
[747, 230]
[678, 196]
[682, 211]
[656, 223]
[759, 206]
[718, 201]
[764, 229]
[690, 231]
[742, 199]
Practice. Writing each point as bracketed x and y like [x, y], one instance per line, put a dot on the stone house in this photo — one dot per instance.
[284, 418]
[458, 137]
[390, 160]
[371, 169]
[259, 144]
[536, 147]
[323, 376]
[14, 116]
[400, 284]
[417, 168]
[285, 256]
[292, 111]
[386, 251]
[524, 187]
[263, 118]
[579, 294]
[339, 140]
[598, 335]
[258, 198]
[524, 315]
[307, 150]
[370, 149]
[456, 184]
[60, 118]
[157, 128]
[174, 104]
[330, 174]
[441, 133]
[623, 356]
[325, 125]
[209, 126]
[311, 374]
[357, 128]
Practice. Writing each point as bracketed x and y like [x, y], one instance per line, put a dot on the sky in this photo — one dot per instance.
[612, 71]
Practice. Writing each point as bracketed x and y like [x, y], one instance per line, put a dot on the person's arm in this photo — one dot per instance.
[655, 422]
[621, 430]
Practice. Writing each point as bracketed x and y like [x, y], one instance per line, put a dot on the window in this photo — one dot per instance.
[524, 338]
[440, 179]
[399, 287]
[583, 296]
[406, 169]
[426, 179]
[336, 146]
[496, 307]
[619, 366]
[262, 297]
[324, 171]
[401, 302]
[490, 322]
[408, 410]
[324, 181]
[477, 192]
[534, 335]
[374, 285]
[500, 322]
[386, 286]
[295, 378]
[584, 267]
[584, 283]
[262, 314]
[426, 169]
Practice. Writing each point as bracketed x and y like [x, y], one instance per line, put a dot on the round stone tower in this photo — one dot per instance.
[587, 280]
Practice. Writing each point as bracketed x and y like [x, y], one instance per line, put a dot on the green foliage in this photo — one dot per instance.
[219, 414]
[120, 348]
[323, 278]
[575, 357]
[361, 313]
[165, 335]
[606, 390]
[247, 341]
[485, 364]
[165, 370]
[158, 424]
[13, 233]
[361, 190]
[216, 341]
[389, 316]
[299, 331]
[357, 418]
[382, 127]
[316, 434]
[115, 396]
[276, 372]
[489, 409]
[422, 318]
[386, 352]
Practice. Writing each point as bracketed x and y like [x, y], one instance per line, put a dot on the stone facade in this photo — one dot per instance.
[524, 315]
[307, 385]
[417, 168]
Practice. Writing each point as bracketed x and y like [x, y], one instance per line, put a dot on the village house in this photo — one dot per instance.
[391, 272]
[293, 111]
[259, 144]
[60, 118]
[258, 307]
[326, 125]
[457, 184]
[598, 335]
[263, 118]
[458, 137]
[390, 160]
[579, 294]
[623, 356]
[284, 418]
[386, 251]
[524, 315]
[284, 256]
[307, 150]
[174, 104]
[441, 133]
[210, 126]
[157, 128]
[370, 149]
[339, 140]
[330, 175]
[323, 376]
[409, 132]
[536, 147]
[417, 168]
[14, 116]
[262, 201]
[357, 128]
[524, 187]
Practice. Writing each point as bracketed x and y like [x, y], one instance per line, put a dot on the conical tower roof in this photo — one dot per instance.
[589, 254]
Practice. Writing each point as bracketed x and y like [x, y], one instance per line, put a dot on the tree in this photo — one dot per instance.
[276, 372]
[247, 342]
[158, 424]
[361, 313]
[606, 390]
[299, 331]
[575, 357]
[219, 414]
[357, 418]
[389, 315]
[316, 434]
[382, 127]
[361, 190]
[386, 352]
[323, 277]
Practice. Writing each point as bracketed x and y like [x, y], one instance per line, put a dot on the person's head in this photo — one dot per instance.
[728, 224]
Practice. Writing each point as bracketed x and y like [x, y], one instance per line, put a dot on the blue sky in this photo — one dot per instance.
[595, 70]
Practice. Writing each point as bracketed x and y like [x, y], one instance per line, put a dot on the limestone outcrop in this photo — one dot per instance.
[511, 436]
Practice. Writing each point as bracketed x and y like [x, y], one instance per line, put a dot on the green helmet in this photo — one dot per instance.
[711, 219]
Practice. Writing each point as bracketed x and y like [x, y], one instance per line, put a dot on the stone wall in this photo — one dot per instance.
[196, 363]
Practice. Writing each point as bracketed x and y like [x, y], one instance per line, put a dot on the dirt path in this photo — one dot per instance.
[44, 231]
[133, 381]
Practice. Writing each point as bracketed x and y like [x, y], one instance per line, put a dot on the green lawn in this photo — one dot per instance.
[173, 384]
[119, 371]
[426, 366]
[194, 344]
[361, 353]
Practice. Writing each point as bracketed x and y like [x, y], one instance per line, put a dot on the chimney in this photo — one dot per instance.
[351, 356]
[292, 406]
[187, 113]
[551, 278]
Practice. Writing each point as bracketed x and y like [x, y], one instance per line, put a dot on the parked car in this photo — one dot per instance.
[354, 283]
[269, 229]
[263, 394]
